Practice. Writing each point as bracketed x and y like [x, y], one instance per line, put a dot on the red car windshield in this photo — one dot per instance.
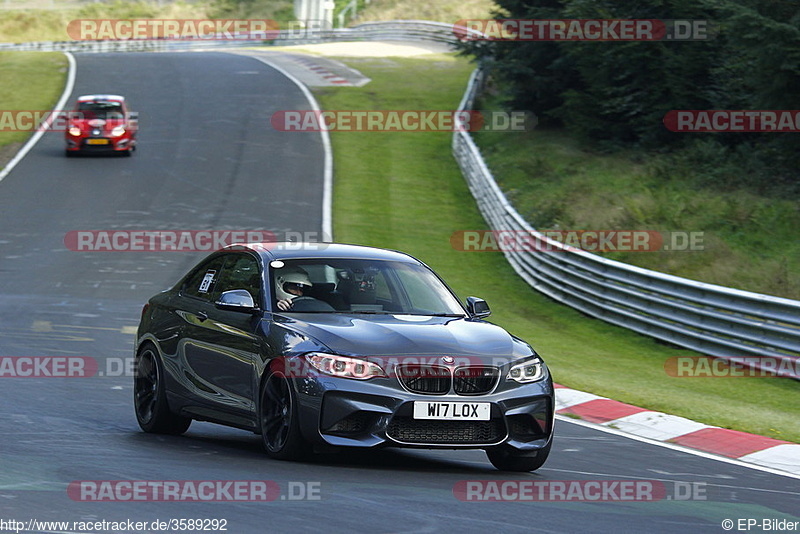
[101, 110]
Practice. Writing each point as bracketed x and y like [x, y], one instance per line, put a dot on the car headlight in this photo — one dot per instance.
[528, 371]
[343, 366]
[119, 130]
[74, 131]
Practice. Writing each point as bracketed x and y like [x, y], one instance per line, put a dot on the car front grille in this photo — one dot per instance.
[85, 145]
[424, 432]
[475, 380]
[438, 379]
[426, 379]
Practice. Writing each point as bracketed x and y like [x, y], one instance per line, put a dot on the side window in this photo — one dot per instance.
[240, 271]
[203, 281]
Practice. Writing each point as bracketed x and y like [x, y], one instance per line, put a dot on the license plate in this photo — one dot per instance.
[449, 411]
[97, 141]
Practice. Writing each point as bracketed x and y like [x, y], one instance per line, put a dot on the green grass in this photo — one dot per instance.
[438, 10]
[749, 240]
[404, 191]
[50, 24]
[42, 74]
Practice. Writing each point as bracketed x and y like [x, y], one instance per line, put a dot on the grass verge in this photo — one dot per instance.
[440, 11]
[43, 75]
[748, 239]
[404, 191]
[22, 25]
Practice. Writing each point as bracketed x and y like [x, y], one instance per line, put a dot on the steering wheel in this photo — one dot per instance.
[306, 303]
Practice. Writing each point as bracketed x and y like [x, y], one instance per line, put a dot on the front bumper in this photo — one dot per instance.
[376, 413]
[85, 144]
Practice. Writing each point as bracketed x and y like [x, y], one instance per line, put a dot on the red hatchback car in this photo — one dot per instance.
[101, 123]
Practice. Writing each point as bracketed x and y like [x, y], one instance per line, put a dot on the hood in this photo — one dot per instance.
[393, 335]
[100, 124]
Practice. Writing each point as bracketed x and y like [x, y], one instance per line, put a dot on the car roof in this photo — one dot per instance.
[282, 250]
[91, 98]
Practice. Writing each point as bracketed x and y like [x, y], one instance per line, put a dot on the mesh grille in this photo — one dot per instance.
[524, 427]
[358, 422]
[409, 430]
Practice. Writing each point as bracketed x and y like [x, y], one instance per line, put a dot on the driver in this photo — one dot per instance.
[291, 286]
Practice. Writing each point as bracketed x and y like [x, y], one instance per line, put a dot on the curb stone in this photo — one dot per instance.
[751, 448]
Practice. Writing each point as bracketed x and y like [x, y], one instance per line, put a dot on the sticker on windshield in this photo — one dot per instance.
[276, 264]
[206, 283]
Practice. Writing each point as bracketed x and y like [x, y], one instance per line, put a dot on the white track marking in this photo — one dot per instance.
[679, 448]
[40, 132]
[327, 179]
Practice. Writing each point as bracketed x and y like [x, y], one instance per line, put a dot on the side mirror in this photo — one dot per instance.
[236, 300]
[478, 308]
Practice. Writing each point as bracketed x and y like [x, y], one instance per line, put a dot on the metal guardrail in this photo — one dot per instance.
[718, 321]
[757, 330]
[84, 46]
[406, 30]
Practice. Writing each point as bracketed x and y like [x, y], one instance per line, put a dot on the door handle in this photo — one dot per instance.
[202, 316]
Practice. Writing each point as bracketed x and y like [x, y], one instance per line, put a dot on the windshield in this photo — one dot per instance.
[101, 109]
[359, 286]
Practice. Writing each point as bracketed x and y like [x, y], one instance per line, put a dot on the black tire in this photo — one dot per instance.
[505, 459]
[150, 399]
[279, 422]
[69, 153]
[128, 153]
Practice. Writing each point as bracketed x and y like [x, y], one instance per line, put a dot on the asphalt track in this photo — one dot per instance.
[208, 160]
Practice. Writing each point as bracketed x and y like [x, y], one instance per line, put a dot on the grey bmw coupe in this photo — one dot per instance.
[318, 345]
